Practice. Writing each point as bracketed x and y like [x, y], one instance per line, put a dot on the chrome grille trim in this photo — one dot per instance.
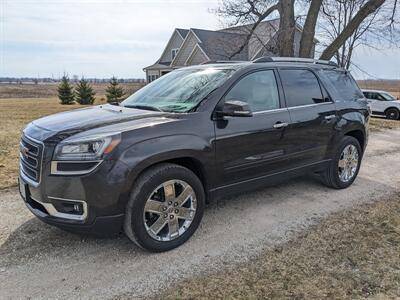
[31, 158]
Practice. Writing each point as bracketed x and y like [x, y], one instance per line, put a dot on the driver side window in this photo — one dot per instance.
[380, 97]
[258, 89]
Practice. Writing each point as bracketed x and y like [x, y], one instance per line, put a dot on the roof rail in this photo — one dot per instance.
[294, 59]
[223, 62]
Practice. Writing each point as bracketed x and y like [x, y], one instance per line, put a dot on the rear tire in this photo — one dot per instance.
[165, 207]
[342, 170]
[392, 114]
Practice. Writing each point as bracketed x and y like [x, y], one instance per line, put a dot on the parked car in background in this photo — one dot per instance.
[383, 104]
[149, 165]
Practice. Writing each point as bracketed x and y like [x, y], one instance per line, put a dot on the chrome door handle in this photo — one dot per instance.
[330, 117]
[280, 125]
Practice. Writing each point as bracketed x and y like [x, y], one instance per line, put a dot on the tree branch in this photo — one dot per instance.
[370, 7]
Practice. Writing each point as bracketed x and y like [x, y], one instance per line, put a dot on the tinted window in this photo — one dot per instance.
[380, 97]
[345, 86]
[301, 87]
[258, 89]
[373, 96]
[367, 95]
[388, 97]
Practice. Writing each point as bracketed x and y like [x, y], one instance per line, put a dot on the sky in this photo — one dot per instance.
[104, 38]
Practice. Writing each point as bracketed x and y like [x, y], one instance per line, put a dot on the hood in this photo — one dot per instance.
[75, 121]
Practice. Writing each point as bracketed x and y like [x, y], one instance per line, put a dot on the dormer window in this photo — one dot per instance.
[174, 52]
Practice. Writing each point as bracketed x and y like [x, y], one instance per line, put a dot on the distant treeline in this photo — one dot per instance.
[75, 79]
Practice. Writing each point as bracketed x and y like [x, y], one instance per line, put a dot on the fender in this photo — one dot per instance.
[350, 121]
[144, 154]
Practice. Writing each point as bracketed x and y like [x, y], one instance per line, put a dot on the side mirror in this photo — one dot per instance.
[235, 108]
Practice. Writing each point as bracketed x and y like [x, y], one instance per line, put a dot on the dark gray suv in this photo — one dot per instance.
[149, 165]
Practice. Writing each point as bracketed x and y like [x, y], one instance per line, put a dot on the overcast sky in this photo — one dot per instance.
[101, 38]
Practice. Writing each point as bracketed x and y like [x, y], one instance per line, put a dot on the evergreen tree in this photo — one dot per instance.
[114, 92]
[84, 93]
[65, 92]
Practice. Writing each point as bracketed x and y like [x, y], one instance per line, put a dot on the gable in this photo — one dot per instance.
[174, 42]
[197, 57]
[186, 49]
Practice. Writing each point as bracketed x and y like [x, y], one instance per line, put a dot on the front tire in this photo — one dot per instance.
[165, 208]
[345, 165]
[392, 114]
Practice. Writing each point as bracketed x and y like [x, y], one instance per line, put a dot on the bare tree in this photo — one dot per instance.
[335, 16]
[307, 39]
[375, 31]
[239, 12]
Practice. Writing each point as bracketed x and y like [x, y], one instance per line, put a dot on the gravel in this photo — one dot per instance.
[40, 261]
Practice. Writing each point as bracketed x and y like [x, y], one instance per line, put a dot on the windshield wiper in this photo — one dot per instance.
[145, 107]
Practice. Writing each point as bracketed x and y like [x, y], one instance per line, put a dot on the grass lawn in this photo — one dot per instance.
[351, 255]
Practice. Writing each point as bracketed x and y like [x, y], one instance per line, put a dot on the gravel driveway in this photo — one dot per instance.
[39, 261]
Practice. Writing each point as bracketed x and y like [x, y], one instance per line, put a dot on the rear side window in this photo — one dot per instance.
[343, 84]
[301, 87]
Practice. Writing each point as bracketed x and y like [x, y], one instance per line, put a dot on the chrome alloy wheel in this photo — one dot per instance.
[348, 163]
[169, 210]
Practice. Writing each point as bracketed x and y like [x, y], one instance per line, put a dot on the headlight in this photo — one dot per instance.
[92, 148]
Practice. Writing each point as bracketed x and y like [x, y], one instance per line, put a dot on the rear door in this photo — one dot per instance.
[312, 114]
[250, 147]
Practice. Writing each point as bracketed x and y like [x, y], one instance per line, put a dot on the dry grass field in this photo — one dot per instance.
[14, 115]
[19, 105]
[392, 86]
[50, 90]
[350, 255]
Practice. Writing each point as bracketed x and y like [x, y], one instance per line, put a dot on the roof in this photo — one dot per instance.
[374, 91]
[183, 32]
[220, 45]
[158, 65]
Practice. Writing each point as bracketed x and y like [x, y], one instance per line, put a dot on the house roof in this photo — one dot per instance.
[220, 45]
[158, 65]
[183, 32]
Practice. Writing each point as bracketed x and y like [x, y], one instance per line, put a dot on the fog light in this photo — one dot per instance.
[69, 207]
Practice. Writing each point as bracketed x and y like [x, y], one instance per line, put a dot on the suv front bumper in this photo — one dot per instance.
[60, 212]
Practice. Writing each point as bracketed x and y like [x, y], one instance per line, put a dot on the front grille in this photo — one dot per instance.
[31, 155]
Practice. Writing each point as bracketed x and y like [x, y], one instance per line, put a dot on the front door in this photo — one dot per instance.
[376, 102]
[313, 117]
[250, 147]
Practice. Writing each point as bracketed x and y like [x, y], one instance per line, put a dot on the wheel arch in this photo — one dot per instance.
[188, 161]
[392, 107]
[359, 135]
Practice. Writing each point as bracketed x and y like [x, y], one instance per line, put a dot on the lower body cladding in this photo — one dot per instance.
[92, 203]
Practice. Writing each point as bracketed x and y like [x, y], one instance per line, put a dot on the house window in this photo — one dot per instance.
[174, 52]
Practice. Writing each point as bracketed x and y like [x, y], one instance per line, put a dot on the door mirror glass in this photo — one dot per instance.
[235, 108]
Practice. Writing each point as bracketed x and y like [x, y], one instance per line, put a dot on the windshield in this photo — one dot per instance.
[178, 91]
[388, 97]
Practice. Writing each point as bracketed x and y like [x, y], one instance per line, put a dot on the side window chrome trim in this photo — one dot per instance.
[276, 110]
[310, 105]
